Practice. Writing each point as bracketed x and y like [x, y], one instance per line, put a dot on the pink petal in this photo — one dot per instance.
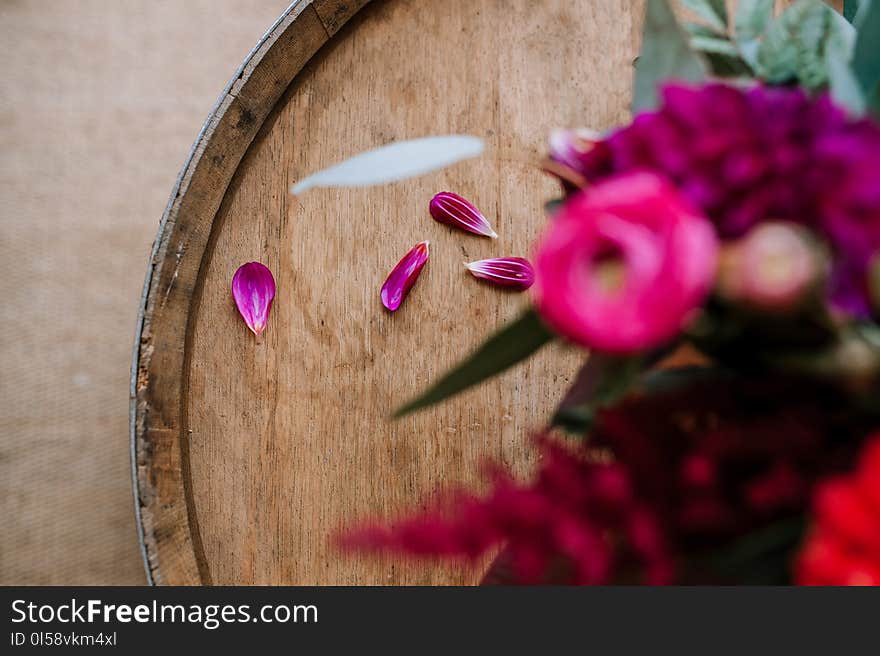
[253, 289]
[454, 210]
[569, 146]
[514, 272]
[403, 276]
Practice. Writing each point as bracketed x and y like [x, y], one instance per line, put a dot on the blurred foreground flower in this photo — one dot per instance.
[624, 264]
[568, 147]
[578, 522]
[723, 455]
[774, 267]
[844, 546]
[253, 289]
[744, 156]
[403, 276]
[455, 211]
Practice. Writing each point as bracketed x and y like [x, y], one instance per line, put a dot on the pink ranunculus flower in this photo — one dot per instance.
[624, 264]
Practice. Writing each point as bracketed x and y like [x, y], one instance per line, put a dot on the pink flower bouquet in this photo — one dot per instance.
[736, 219]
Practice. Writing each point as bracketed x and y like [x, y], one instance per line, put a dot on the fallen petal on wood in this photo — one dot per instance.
[403, 276]
[396, 161]
[253, 288]
[455, 211]
[513, 272]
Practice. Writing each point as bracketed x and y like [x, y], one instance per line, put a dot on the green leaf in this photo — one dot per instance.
[866, 53]
[760, 557]
[552, 206]
[850, 7]
[602, 380]
[752, 18]
[722, 55]
[874, 280]
[795, 45]
[513, 343]
[713, 12]
[666, 55]
[699, 29]
[666, 381]
[845, 88]
[777, 59]
[727, 66]
[714, 45]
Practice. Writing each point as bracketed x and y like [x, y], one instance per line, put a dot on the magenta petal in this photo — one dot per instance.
[514, 272]
[253, 289]
[403, 276]
[568, 147]
[455, 211]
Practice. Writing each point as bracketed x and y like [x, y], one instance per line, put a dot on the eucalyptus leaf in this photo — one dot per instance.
[777, 58]
[850, 8]
[714, 12]
[666, 55]
[749, 53]
[752, 18]
[396, 161]
[866, 53]
[795, 45]
[714, 45]
[845, 88]
[700, 29]
[514, 343]
[862, 11]
[728, 66]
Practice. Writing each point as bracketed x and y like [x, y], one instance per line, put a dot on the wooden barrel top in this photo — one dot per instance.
[249, 455]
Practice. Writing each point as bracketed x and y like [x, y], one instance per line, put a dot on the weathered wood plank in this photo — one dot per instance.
[289, 439]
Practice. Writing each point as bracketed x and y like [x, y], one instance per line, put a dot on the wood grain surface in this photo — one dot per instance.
[165, 511]
[289, 438]
[252, 454]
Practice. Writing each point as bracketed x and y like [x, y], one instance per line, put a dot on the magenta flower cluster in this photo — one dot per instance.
[745, 156]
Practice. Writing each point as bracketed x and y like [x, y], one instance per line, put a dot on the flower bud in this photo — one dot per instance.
[774, 267]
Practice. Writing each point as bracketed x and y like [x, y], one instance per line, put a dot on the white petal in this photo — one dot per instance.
[396, 161]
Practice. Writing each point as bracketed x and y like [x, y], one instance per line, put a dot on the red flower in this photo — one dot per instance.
[844, 547]
[577, 523]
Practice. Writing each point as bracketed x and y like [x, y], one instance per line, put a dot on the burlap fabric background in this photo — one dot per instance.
[100, 101]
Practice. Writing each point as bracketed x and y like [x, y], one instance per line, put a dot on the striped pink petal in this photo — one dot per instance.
[454, 210]
[253, 289]
[514, 272]
[403, 276]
